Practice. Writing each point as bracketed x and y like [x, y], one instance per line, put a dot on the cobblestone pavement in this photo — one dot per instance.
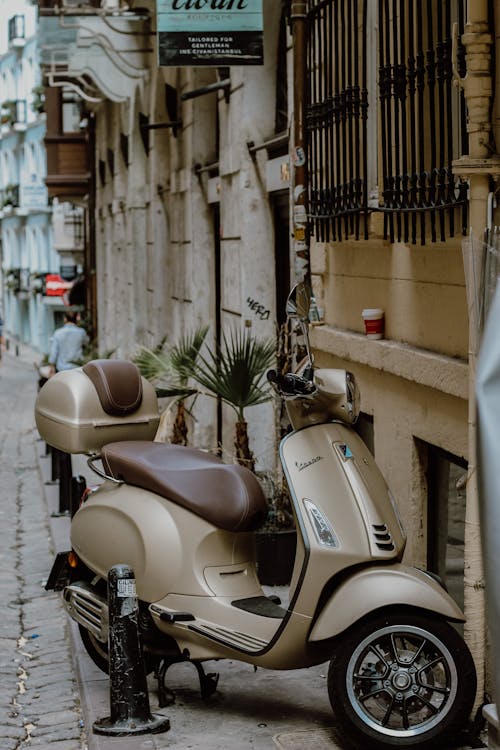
[39, 699]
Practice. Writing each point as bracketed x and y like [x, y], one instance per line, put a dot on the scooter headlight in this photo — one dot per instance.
[352, 392]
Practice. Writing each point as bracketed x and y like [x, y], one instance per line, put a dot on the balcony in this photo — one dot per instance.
[98, 59]
[13, 115]
[68, 157]
[17, 31]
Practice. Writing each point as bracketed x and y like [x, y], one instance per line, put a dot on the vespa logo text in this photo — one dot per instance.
[301, 465]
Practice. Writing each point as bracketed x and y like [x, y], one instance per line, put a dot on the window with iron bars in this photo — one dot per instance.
[384, 120]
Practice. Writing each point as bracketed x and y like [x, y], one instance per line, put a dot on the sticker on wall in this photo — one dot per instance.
[297, 192]
[299, 156]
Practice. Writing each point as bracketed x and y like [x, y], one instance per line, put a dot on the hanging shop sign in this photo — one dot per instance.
[210, 32]
[56, 286]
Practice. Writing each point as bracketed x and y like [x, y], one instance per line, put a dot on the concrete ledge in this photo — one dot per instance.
[420, 366]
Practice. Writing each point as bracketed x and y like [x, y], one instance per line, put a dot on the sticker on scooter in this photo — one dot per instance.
[126, 587]
[344, 451]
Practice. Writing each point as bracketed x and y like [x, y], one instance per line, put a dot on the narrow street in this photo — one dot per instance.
[40, 704]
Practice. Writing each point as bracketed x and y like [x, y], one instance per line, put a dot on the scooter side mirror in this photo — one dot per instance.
[298, 302]
[297, 308]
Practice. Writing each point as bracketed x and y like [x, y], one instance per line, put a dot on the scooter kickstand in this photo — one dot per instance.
[208, 682]
[165, 696]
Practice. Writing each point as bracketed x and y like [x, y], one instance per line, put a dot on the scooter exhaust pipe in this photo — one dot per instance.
[86, 607]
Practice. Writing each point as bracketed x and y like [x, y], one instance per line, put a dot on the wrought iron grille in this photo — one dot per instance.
[420, 119]
[336, 116]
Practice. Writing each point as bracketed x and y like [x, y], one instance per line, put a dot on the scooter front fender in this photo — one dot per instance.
[377, 587]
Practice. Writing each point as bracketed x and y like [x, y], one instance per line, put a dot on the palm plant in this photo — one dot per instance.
[183, 358]
[170, 369]
[152, 363]
[235, 373]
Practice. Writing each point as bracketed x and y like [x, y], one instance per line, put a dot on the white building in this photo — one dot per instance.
[28, 250]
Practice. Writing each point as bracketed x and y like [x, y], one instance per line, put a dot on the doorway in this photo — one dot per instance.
[446, 475]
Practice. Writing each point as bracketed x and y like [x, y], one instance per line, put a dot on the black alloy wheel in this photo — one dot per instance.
[403, 680]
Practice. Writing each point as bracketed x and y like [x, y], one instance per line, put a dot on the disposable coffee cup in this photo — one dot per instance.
[374, 322]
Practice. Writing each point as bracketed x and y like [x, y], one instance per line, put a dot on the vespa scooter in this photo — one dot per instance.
[400, 674]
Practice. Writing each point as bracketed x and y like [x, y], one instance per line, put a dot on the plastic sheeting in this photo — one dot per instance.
[488, 463]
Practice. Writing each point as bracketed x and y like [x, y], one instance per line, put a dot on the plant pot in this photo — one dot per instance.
[275, 552]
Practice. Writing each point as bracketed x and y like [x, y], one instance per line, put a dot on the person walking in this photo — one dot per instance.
[66, 345]
[66, 348]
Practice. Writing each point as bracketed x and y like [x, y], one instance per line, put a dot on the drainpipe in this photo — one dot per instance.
[90, 250]
[478, 167]
[298, 20]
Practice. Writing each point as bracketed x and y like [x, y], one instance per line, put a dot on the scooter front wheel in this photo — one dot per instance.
[401, 680]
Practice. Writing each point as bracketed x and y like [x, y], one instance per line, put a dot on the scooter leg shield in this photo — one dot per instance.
[376, 587]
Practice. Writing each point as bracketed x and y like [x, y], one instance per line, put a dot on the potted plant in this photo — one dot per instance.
[276, 540]
[38, 103]
[7, 112]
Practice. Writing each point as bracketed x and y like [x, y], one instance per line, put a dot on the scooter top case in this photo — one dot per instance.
[80, 410]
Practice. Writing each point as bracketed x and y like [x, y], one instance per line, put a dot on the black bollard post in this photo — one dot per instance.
[54, 465]
[129, 699]
[65, 473]
[78, 487]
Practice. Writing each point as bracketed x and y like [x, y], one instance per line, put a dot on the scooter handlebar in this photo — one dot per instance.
[290, 384]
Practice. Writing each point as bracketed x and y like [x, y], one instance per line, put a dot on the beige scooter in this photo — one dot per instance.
[400, 674]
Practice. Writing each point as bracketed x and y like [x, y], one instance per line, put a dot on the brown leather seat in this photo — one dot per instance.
[227, 495]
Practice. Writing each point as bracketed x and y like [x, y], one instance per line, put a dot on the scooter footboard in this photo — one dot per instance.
[376, 587]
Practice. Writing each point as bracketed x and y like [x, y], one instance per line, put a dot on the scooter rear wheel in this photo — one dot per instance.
[401, 680]
[97, 650]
